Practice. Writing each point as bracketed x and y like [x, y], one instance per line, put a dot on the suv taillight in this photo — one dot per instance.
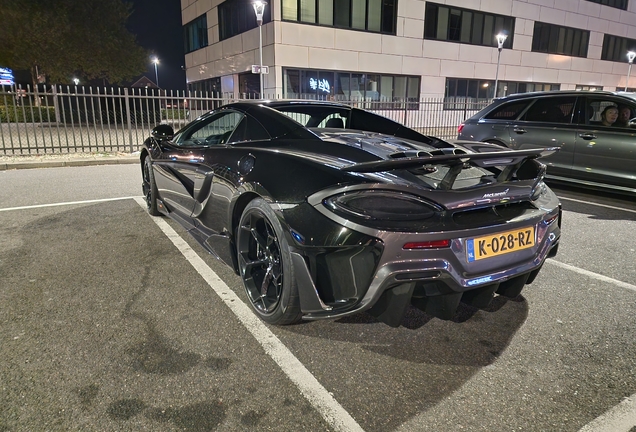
[459, 128]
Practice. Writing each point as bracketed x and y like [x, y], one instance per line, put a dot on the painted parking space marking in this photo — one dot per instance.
[326, 405]
[66, 203]
[592, 275]
[598, 204]
[621, 418]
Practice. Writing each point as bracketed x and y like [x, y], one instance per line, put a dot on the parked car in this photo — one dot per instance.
[325, 210]
[592, 154]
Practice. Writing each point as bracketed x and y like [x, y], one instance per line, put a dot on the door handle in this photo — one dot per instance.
[587, 136]
[520, 130]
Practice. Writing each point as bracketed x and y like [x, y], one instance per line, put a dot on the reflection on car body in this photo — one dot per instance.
[592, 129]
[326, 218]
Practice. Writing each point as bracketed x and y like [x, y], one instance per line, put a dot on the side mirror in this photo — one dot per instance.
[162, 132]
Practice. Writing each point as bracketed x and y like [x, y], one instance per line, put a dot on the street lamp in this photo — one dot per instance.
[155, 60]
[76, 81]
[501, 38]
[630, 58]
[259, 10]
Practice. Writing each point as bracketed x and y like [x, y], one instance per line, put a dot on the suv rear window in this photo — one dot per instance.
[507, 111]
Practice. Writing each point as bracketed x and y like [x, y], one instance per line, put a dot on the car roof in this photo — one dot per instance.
[286, 102]
[566, 93]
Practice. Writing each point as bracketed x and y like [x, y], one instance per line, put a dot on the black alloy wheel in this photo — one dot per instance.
[265, 265]
[149, 188]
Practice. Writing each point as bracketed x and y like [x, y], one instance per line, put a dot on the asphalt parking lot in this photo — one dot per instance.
[113, 320]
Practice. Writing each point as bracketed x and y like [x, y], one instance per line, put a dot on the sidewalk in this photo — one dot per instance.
[66, 160]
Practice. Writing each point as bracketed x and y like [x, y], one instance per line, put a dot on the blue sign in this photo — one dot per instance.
[6, 77]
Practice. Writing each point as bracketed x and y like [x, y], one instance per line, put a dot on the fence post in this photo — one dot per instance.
[56, 105]
[128, 122]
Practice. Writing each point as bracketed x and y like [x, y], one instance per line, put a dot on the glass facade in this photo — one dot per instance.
[619, 4]
[555, 39]
[615, 48]
[473, 27]
[390, 91]
[195, 34]
[238, 16]
[377, 16]
[460, 91]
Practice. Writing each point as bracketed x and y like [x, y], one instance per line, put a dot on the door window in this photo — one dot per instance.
[210, 130]
[610, 112]
[551, 110]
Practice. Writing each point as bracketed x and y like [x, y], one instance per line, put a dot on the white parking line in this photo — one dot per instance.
[66, 203]
[592, 275]
[598, 204]
[333, 413]
[621, 418]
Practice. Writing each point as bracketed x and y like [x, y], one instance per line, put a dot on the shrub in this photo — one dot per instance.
[27, 114]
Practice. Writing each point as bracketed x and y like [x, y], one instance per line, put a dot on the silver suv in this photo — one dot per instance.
[596, 131]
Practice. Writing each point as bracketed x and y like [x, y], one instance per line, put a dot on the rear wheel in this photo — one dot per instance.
[265, 265]
[149, 188]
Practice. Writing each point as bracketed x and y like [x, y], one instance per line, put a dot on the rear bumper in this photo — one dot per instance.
[434, 281]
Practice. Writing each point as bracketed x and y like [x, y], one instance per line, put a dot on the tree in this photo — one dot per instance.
[60, 38]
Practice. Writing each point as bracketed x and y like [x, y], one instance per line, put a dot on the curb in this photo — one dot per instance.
[5, 166]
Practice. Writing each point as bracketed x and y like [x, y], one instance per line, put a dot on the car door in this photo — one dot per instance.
[605, 154]
[548, 123]
[184, 179]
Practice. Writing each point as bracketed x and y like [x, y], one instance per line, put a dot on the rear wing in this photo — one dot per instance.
[484, 160]
[504, 164]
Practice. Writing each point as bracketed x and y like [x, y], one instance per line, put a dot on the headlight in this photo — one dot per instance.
[381, 206]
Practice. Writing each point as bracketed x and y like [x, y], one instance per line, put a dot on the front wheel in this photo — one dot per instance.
[265, 265]
[149, 188]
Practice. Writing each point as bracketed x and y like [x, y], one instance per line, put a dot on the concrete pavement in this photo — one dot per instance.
[66, 159]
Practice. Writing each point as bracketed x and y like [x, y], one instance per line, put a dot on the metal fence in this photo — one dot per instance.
[85, 119]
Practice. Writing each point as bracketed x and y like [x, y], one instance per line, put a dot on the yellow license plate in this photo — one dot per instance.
[499, 244]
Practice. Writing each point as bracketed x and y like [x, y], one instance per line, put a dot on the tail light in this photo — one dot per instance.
[460, 128]
[435, 244]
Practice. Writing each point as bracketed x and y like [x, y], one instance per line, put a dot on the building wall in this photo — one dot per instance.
[288, 44]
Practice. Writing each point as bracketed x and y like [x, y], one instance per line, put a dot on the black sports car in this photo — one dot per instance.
[325, 210]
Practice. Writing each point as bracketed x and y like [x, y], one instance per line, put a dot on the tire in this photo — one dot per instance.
[265, 265]
[149, 188]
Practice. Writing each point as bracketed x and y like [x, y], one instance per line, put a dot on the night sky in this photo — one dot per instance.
[157, 25]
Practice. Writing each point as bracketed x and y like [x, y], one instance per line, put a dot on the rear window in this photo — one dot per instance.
[507, 111]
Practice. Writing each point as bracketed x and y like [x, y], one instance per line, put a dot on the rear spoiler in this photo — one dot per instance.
[484, 160]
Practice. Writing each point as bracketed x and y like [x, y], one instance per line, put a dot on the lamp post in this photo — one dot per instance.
[501, 38]
[76, 81]
[155, 60]
[259, 10]
[630, 58]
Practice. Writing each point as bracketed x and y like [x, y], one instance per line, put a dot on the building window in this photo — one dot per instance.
[195, 34]
[554, 39]
[615, 48]
[472, 94]
[207, 88]
[466, 26]
[389, 91]
[237, 16]
[588, 87]
[201, 92]
[249, 85]
[368, 15]
[618, 4]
